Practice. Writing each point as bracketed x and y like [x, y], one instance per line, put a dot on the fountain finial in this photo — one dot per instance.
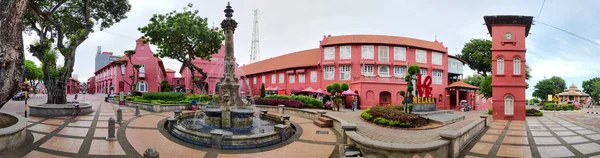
[228, 11]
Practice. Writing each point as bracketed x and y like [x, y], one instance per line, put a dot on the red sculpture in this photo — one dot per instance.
[424, 89]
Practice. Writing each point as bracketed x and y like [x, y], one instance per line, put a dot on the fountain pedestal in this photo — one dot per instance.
[234, 113]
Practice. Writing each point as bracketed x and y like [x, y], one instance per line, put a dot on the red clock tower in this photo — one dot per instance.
[508, 64]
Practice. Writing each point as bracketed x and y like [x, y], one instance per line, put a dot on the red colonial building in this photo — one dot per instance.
[374, 66]
[110, 77]
[508, 64]
[72, 86]
[91, 85]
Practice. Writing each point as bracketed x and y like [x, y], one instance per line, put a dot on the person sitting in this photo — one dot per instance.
[75, 105]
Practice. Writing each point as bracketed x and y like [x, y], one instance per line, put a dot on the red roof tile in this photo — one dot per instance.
[383, 39]
[303, 58]
[461, 84]
[169, 70]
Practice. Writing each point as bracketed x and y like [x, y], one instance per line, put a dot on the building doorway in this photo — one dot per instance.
[385, 98]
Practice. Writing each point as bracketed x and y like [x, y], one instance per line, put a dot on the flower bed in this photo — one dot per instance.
[533, 112]
[556, 107]
[276, 102]
[393, 116]
[309, 102]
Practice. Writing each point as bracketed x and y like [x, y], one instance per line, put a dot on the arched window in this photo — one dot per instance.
[509, 105]
[142, 86]
[517, 66]
[500, 65]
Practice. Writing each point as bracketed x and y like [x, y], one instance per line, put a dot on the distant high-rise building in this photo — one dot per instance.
[103, 58]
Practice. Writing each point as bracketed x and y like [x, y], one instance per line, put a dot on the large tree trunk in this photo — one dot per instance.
[56, 95]
[11, 47]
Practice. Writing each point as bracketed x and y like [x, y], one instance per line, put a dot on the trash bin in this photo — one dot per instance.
[193, 105]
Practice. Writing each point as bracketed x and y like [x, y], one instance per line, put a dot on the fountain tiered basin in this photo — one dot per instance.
[204, 128]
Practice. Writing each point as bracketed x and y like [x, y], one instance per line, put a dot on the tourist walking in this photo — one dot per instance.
[75, 105]
[354, 102]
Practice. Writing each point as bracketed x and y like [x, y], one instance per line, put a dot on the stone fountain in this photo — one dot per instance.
[229, 110]
[229, 123]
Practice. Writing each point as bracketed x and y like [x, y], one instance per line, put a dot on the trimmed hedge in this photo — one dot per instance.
[490, 111]
[556, 107]
[393, 116]
[186, 100]
[533, 112]
[276, 102]
[308, 101]
[164, 96]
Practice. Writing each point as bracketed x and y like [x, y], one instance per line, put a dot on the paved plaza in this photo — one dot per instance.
[84, 136]
[547, 136]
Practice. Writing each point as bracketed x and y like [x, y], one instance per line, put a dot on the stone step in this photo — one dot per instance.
[326, 120]
[321, 124]
[427, 113]
[445, 118]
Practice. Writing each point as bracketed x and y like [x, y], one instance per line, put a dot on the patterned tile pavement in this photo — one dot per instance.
[548, 136]
[84, 136]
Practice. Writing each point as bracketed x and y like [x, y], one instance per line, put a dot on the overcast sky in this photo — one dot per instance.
[293, 25]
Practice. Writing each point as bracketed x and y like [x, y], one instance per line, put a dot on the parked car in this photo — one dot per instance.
[19, 96]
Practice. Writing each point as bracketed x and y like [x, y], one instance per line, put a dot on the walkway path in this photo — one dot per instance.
[83, 136]
[547, 136]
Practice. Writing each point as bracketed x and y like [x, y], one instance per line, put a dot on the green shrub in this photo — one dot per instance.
[365, 114]
[165, 96]
[490, 111]
[381, 121]
[393, 116]
[533, 112]
[308, 101]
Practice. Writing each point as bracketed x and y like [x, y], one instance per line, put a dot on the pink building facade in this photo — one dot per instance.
[72, 86]
[213, 69]
[374, 66]
[110, 79]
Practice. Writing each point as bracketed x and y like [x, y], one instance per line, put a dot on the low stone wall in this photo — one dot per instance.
[307, 114]
[461, 137]
[13, 136]
[449, 146]
[52, 110]
[155, 107]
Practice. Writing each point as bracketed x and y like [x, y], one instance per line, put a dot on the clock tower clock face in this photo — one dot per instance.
[508, 36]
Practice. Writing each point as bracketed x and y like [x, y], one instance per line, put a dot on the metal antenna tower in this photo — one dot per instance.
[255, 50]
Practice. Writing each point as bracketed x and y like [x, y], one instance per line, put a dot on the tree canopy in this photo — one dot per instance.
[183, 36]
[62, 26]
[474, 80]
[485, 87]
[550, 86]
[588, 85]
[477, 54]
[595, 95]
[33, 71]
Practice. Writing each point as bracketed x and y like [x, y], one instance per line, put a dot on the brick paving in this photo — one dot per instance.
[84, 136]
[398, 135]
[547, 136]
